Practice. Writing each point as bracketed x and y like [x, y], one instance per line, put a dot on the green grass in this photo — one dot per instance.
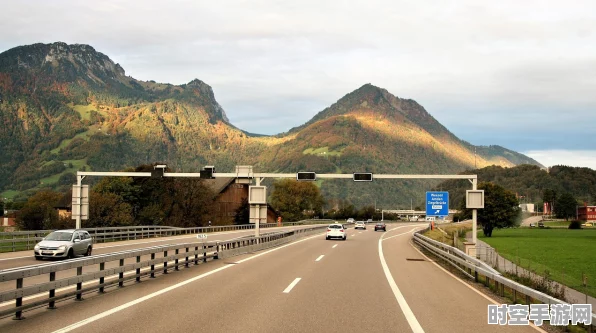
[84, 135]
[565, 254]
[10, 194]
[84, 110]
[323, 151]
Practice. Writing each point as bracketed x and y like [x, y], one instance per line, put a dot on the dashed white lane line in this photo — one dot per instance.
[157, 293]
[405, 308]
[320, 257]
[334, 246]
[292, 285]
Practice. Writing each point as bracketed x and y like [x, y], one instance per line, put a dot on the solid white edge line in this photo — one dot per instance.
[157, 293]
[467, 285]
[137, 301]
[410, 317]
[320, 257]
[292, 285]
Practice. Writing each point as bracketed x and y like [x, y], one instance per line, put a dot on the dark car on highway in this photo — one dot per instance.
[380, 226]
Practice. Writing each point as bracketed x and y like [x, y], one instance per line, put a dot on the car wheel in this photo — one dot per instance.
[326, 238]
[88, 251]
[70, 254]
[344, 238]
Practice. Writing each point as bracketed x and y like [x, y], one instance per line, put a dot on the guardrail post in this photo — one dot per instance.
[216, 255]
[52, 304]
[138, 279]
[19, 301]
[204, 253]
[102, 266]
[152, 266]
[196, 255]
[165, 263]
[186, 262]
[121, 275]
[79, 284]
[176, 261]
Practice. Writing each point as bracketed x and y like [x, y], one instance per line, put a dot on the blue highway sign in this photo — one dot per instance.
[437, 203]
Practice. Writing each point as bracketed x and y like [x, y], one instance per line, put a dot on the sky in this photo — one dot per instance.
[520, 74]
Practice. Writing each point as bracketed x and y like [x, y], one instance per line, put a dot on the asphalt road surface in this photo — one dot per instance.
[373, 282]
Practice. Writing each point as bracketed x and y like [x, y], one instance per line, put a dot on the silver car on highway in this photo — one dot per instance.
[64, 244]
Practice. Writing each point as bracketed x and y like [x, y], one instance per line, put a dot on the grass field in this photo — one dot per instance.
[84, 135]
[10, 194]
[322, 151]
[565, 254]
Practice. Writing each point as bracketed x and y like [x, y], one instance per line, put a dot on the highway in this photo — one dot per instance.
[373, 282]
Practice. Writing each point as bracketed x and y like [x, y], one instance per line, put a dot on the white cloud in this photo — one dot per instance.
[575, 158]
[485, 65]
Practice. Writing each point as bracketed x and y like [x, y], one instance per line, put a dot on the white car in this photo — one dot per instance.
[360, 224]
[336, 230]
[350, 220]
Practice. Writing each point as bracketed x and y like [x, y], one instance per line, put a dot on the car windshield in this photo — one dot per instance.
[335, 226]
[59, 236]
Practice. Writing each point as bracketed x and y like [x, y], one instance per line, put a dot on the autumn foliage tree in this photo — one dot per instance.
[297, 200]
[39, 213]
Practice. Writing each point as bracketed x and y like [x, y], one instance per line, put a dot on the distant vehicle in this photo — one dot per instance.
[64, 244]
[541, 224]
[350, 220]
[336, 230]
[360, 225]
[380, 226]
[369, 221]
[532, 225]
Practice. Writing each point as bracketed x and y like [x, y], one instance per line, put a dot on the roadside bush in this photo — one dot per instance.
[575, 225]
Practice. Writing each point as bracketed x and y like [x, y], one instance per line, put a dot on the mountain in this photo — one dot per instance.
[68, 107]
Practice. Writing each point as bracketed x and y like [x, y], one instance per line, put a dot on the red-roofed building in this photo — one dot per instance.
[586, 213]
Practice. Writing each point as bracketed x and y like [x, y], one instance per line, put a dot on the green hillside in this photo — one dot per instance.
[69, 107]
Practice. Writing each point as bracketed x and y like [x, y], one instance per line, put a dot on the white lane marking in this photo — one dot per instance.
[403, 233]
[410, 317]
[137, 301]
[16, 257]
[320, 257]
[360, 232]
[467, 285]
[292, 285]
[157, 293]
[108, 279]
[334, 246]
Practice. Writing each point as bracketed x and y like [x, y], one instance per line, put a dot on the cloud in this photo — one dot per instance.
[575, 158]
[519, 74]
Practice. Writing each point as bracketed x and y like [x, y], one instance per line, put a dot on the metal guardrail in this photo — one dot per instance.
[141, 263]
[475, 268]
[26, 240]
